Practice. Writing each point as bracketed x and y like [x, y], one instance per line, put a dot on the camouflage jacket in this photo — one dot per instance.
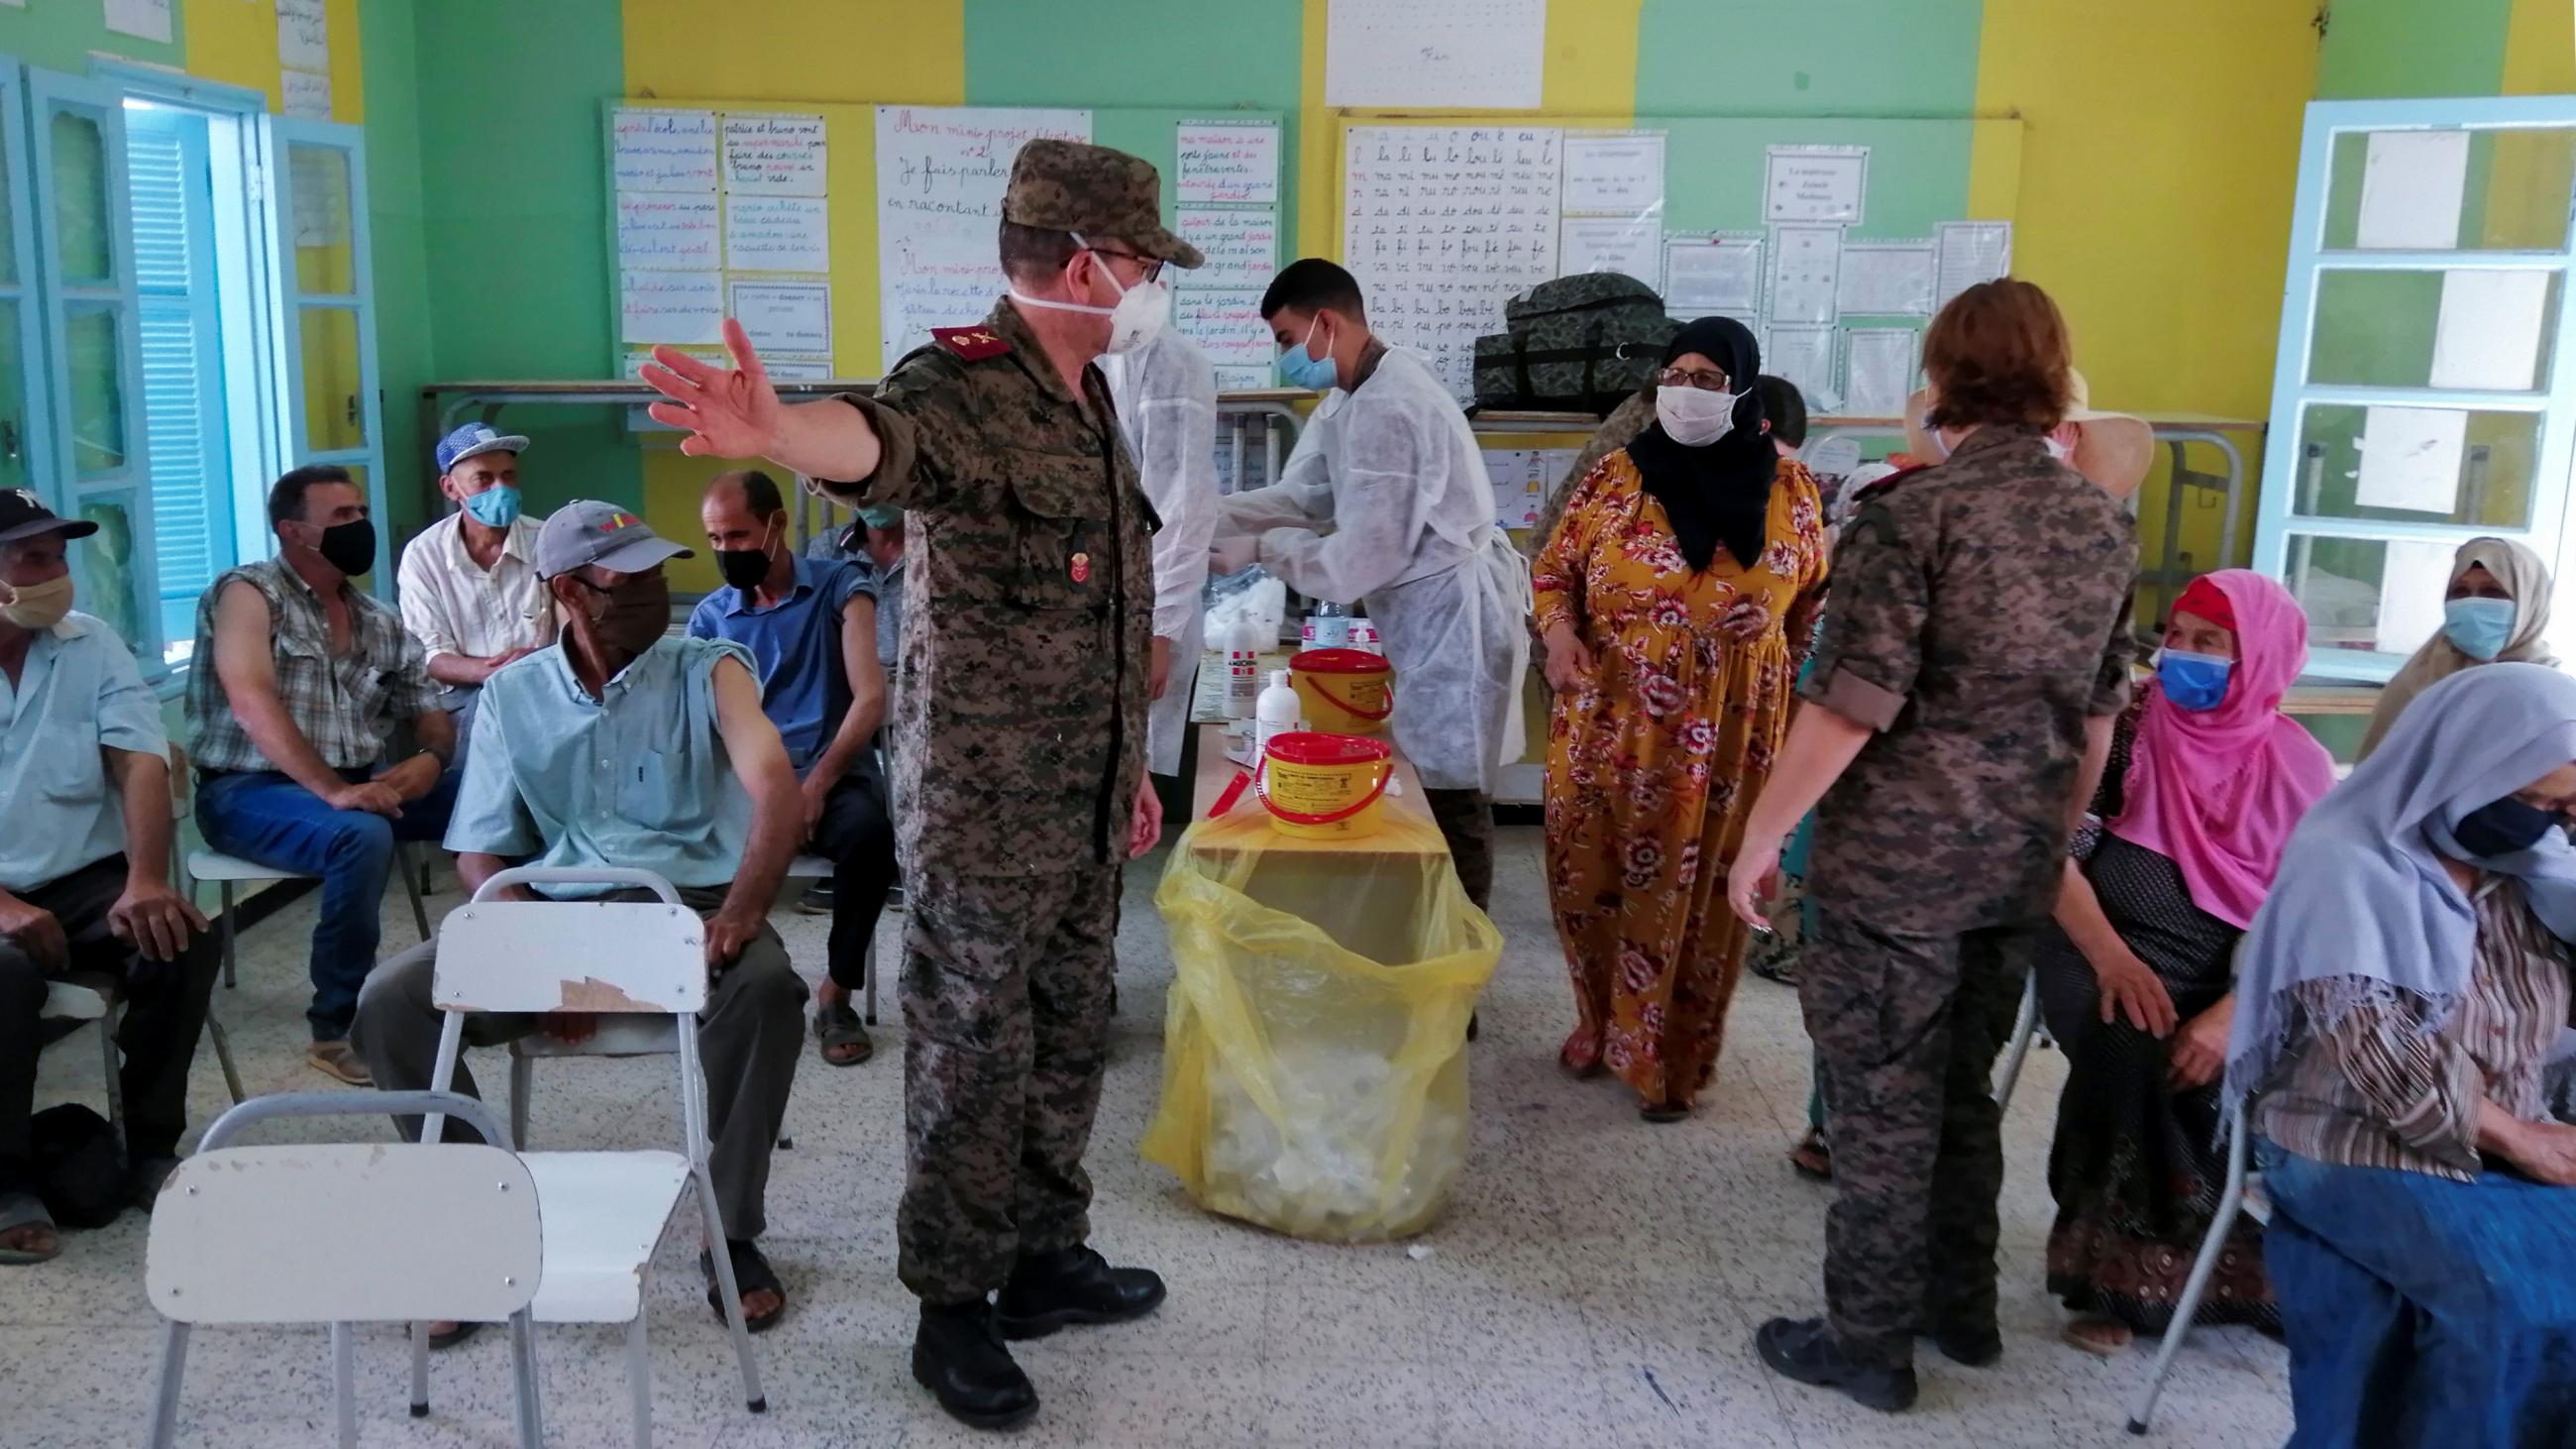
[1980, 617]
[1019, 734]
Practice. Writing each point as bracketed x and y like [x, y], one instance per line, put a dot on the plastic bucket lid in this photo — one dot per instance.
[1313, 747]
[1338, 661]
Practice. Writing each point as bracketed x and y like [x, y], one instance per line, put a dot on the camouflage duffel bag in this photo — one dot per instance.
[1579, 344]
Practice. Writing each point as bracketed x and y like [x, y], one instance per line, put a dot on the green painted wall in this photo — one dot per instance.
[515, 233]
[64, 34]
[400, 253]
[2383, 48]
[1766, 58]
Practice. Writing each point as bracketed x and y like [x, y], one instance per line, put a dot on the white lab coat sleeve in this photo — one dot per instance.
[1176, 457]
[1376, 464]
[1300, 498]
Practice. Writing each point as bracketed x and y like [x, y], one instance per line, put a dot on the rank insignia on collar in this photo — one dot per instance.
[1082, 568]
[972, 343]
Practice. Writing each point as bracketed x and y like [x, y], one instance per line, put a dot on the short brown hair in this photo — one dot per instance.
[1997, 354]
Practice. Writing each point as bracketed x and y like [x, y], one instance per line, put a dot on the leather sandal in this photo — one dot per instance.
[751, 1274]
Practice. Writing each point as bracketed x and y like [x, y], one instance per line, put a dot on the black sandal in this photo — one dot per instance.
[838, 1025]
[751, 1274]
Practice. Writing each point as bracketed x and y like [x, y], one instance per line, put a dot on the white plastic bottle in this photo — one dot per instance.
[1276, 714]
[1243, 646]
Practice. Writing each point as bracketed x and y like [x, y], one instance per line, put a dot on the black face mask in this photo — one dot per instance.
[349, 547]
[743, 568]
[2502, 827]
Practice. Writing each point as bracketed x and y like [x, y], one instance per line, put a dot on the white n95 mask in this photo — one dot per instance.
[1141, 312]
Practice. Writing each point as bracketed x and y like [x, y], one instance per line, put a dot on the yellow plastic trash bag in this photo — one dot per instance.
[1314, 1051]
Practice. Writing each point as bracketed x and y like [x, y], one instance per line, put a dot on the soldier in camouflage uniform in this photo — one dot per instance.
[1973, 660]
[1019, 742]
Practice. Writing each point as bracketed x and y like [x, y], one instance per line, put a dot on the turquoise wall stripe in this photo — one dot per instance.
[65, 34]
[1111, 53]
[395, 227]
[2388, 48]
[1810, 58]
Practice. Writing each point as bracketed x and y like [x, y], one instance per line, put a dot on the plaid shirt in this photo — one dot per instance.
[346, 707]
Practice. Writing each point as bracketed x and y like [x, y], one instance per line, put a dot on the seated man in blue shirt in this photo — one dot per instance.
[617, 746]
[84, 865]
[811, 625]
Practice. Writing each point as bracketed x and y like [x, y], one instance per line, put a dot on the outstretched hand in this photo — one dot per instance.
[728, 412]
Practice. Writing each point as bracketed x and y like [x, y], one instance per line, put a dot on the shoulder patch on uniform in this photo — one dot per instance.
[972, 343]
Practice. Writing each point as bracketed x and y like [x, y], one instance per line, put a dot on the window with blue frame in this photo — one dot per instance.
[183, 359]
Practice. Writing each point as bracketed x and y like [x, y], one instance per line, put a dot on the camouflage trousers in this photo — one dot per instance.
[1006, 984]
[1906, 1031]
[1466, 821]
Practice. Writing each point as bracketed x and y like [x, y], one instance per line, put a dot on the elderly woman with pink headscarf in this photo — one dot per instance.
[2207, 779]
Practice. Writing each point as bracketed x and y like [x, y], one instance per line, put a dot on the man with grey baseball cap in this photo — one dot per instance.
[623, 745]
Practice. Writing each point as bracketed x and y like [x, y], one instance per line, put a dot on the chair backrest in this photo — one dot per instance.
[604, 956]
[345, 1233]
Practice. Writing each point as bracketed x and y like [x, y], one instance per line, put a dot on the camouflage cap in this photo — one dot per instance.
[1101, 193]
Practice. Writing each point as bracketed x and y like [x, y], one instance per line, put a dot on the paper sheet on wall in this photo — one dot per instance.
[304, 35]
[1227, 326]
[2411, 186]
[778, 233]
[940, 175]
[675, 307]
[1441, 224]
[1815, 183]
[1632, 246]
[773, 154]
[652, 149]
[1241, 245]
[1519, 481]
[1806, 274]
[150, 19]
[1878, 371]
[785, 316]
[1713, 275]
[1438, 54]
[305, 95]
[2418, 573]
[1971, 252]
[666, 231]
[1614, 175]
[2487, 335]
[2410, 459]
[1805, 356]
[1227, 163]
[1888, 279]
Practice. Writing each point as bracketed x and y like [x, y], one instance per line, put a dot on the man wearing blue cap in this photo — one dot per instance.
[469, 591]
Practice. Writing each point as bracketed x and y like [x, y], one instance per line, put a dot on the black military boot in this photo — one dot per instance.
[1806, 1350]
[1049, 1291]
[957, 1355]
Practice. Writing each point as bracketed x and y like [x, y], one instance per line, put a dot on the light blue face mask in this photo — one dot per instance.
[2196, 682]
[1300, 367]
[495, 507]
[2479, 627]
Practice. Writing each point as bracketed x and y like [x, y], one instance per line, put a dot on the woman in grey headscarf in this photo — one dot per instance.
[2494, 610]
[2398, 999]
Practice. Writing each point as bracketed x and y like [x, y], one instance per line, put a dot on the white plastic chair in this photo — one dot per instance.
[2231, 1197]
[227, 871]
[346, 1233]
[605, 1211]
[637, 1036]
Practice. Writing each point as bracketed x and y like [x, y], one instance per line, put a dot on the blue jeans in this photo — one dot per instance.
[270, 819]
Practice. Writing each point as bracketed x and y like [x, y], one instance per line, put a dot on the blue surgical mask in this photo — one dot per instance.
[495, 507]
[1300, 367]
[2196, 682]
[2479, 627]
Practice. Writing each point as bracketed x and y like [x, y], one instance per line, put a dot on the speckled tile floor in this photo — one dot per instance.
[1594, 1283]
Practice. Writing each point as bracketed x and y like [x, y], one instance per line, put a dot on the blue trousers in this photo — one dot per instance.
[268, 818]
[2422, 1310]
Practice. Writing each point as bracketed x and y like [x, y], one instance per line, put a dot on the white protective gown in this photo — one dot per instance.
[1165, 393]
[1395, 471]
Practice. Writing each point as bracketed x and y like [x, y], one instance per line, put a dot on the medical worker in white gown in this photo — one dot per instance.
[1385, 500]
[1165, 393]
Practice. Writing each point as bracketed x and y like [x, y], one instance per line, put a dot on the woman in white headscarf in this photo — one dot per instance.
[2496, 608]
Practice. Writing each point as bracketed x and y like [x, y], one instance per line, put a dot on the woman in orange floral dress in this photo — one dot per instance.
[1674, 597]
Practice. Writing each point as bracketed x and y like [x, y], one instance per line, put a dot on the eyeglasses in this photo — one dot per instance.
[1688, 377]
[1153, 267]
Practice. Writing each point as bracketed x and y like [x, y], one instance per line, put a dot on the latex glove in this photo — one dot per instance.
[1230, 556]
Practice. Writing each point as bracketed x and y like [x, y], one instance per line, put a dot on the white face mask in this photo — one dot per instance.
[1695, 417]
[1140, 314]
[2062, 452]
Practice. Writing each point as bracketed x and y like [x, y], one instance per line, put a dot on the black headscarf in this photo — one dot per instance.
[1720, 493]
